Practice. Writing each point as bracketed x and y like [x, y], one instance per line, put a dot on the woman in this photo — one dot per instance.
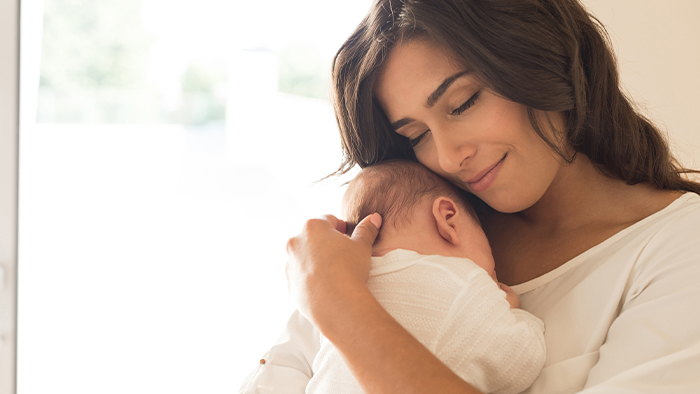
[589, 217]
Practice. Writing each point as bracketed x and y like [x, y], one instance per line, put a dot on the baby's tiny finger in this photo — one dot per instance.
[505, 288]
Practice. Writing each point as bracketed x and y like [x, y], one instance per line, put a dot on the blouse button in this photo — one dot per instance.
[262, 361]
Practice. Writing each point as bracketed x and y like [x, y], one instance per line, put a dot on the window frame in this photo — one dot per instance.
[9, 132]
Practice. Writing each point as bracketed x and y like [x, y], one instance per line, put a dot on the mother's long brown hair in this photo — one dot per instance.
[549, 55]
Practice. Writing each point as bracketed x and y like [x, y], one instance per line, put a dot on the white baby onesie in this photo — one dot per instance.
[454, 308]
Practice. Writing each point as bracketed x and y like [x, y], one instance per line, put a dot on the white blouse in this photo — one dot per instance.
[624, 316]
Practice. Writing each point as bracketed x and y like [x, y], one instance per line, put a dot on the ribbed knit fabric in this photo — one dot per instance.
[454, 308]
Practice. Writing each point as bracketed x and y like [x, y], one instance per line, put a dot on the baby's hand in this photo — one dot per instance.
[511, 297]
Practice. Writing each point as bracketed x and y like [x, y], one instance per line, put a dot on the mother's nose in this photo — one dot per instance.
[452, 150]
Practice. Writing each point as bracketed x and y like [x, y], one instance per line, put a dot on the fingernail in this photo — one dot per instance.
[376, 219]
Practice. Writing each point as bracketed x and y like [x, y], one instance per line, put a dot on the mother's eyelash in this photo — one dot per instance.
[414, 142]
[466, 105]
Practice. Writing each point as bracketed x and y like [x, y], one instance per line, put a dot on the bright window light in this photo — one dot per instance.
[170, 150]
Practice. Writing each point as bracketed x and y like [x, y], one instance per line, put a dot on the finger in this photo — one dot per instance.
[505, 288]
[334, 220]
[338, 224]
[368, 229]
[341, 226]
[291, 245]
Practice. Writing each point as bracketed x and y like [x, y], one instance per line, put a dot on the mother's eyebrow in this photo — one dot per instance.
[435, 96]
[401, 123]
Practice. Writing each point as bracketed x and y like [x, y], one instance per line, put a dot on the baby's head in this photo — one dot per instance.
[420, 210]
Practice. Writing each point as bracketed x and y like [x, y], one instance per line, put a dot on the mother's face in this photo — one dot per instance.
[480, 141]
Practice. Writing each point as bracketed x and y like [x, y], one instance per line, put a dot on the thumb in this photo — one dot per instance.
[368, 229]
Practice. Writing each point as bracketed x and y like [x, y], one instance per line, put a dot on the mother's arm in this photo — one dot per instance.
[327, 273]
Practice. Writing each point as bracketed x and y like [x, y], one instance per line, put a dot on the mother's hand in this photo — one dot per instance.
[324, 262]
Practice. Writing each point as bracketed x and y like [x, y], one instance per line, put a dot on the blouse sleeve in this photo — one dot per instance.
[653, 346]
[287, 367]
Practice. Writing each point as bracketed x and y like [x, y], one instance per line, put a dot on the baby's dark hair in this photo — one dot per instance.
[394, 189]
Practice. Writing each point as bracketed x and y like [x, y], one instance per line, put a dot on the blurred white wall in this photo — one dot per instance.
[658, 48]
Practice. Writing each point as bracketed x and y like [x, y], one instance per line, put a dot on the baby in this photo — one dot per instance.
[432, 270]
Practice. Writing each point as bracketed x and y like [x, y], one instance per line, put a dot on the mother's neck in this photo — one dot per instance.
[581, 194]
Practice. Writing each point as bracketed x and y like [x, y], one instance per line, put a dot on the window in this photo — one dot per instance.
[175, 148]
[9, 109]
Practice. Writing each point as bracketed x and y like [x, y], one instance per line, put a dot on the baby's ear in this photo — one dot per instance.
[446, 212]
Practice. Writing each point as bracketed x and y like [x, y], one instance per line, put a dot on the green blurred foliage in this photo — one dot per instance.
[94, 61]
[204, 88]
[302, 71]
[93, 44]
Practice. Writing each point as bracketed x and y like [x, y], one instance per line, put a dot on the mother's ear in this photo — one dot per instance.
[446, 213]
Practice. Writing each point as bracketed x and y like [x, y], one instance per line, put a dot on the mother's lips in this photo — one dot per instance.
[483, 173]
